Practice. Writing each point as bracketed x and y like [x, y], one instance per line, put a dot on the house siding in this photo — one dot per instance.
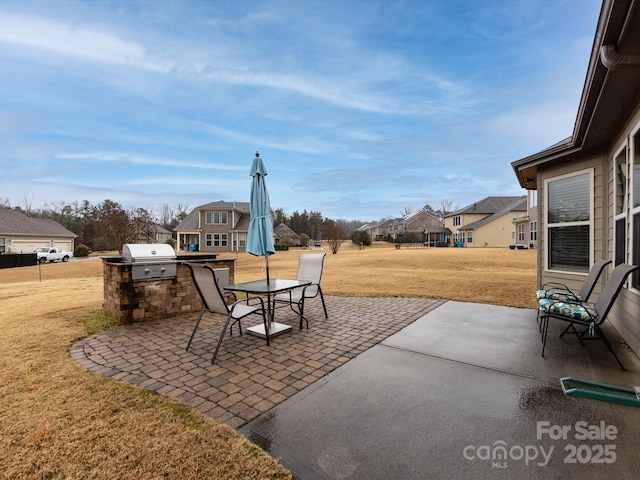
[626, 310]
[598, 233]
[498, 233]
[608, 117]
[465, 219]
[494, 227]
[625, 314]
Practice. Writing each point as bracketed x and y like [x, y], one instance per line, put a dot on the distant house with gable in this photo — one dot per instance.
[490, 222]
[420, 227]
[283, 235]
[380, 230]
[215, 227]
[20, 233]
[162, 235]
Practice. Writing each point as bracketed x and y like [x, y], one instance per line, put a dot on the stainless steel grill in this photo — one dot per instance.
[150, 260]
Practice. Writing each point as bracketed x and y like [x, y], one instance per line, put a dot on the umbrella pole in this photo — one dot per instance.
[267, 260]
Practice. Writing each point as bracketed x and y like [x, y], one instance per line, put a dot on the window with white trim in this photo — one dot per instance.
[208, 240]
[216, 218]
[568, 204]
[533, 231]
[521, 233]
[621, 179]
[635, 207]
[220, 240]
[456, 221]
[533, 198]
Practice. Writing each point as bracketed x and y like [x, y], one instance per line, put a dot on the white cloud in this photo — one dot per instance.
[69, 39]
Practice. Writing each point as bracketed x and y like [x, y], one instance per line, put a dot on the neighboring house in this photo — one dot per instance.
[156, 234]
[527, 225]
[369, 228]
[283, 235]
[380, 230]
[588, 185]
[215, 227]
[22, 234]
[161, 234]
[422, 227]
[491, 222]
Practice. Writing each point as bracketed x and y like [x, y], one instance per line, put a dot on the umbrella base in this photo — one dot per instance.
[276, 329]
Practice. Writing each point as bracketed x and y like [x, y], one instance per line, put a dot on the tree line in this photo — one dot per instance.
[108, 225]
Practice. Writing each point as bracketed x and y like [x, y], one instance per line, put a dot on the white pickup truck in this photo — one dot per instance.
[50, 254]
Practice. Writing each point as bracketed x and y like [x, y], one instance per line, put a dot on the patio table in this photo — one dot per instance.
[268, 289]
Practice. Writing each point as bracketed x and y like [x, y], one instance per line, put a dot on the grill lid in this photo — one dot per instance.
[148, 252]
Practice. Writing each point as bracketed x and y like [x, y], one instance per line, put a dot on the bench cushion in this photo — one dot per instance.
[570, 310]
[558, 295]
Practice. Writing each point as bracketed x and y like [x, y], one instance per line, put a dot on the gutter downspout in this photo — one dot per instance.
[613, 61]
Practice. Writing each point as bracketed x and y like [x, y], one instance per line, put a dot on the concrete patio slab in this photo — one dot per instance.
[460, 393]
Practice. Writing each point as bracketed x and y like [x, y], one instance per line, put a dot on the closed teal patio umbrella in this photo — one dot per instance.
[260, 236]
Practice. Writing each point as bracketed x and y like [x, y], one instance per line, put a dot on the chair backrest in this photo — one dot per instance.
[611, 289]
[310, 269]
[204, 278]
[222, 278]
[591, 280]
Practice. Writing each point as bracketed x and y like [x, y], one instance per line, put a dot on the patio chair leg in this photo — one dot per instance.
[606, 341]
[302, 317]
[194, 329]
[224, 330]
[239, 327]
[326, 315]
[545, 329]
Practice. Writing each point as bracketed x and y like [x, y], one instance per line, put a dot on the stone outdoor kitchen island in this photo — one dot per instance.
[127, 300]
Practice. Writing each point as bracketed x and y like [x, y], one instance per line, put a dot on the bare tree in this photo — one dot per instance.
[406, 210]
[336, 232]
[27, 205]
[447, 206]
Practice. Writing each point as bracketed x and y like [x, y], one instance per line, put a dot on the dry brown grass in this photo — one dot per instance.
[60, 421]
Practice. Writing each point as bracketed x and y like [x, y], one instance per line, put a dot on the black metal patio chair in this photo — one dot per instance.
[310, 267]
[590, 317]
[559, 291]
[214, 300]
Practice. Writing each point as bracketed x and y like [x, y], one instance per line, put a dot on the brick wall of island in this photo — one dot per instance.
[128, 301]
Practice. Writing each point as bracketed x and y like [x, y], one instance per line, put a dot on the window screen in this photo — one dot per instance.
[569, 206]
[569, 199]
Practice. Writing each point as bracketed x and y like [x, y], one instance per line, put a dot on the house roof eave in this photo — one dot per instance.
[603, 107]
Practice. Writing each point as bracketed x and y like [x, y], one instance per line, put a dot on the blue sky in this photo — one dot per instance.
[358, 108]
